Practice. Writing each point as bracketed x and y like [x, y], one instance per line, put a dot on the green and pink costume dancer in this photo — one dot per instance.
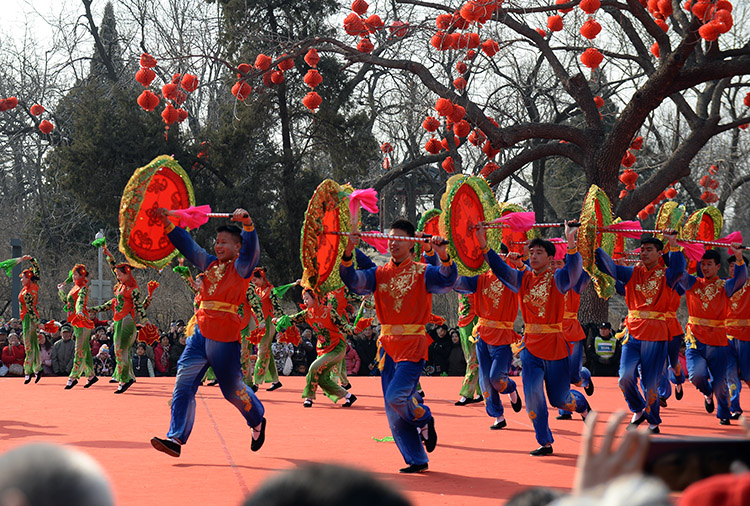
[265, 365]
[467, 318]
[125, 304]
[329, 327]
[32, 365]
[78, 317]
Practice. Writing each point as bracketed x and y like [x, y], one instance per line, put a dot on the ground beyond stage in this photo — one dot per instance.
[470, 465]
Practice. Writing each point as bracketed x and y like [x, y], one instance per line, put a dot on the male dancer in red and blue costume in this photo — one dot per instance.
[545, 357]
[497, 308]
[647, 287]
[707, 297]
[216, 337]
[738, 333]
[403, 302]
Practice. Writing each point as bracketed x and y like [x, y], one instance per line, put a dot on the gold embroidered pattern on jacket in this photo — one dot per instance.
[214, 275]
[708, 292]
[401, 284]
[494, 292]
[737, 297]
[651, 286]
[538, 295]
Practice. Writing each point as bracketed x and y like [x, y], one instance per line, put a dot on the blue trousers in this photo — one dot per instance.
[649, 358]
[494, 364]
[579, 375]
[554, 377]
[707, 370]
[738, 368]
[404, 407]
[200, 354]
[672, 371]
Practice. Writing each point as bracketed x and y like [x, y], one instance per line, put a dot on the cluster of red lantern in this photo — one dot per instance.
[174, 92]
[592, 57]
[628, 177]
[716, 16]
[709, 185]
[669, 193]
[45, 126]
[356, 25]
[313, 78]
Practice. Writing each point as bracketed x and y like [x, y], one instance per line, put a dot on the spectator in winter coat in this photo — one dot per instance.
[175, 350]
[352, 358]
[13, 355]
[142, 365]
[63, 351]
[45, 353]
[161, 356]
[103, 363]
[456, 360]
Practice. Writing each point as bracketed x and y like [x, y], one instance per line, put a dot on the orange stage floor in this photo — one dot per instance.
[470, 465]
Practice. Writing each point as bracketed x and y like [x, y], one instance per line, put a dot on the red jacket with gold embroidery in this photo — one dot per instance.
[738, 314]
[403, 301]
[494, 304]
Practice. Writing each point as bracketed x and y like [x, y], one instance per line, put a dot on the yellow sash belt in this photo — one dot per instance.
[542, 328]
[407, 329]
[647, 315]
[216, 305]
[737, 323]
[706, 323]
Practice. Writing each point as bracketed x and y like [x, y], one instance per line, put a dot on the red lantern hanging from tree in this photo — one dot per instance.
[490, 47]
[170, 114]
[148, 100]
[431, 124]
[312, 58]
[462, 128]
[359, 6]
[189, 83]
[448, 165]
[37, 109]
[457, 113]
[399, 28]
[148, 61]
[592, 58]
[241, 90]
[374, 23]
[590, 29]
[433, 146]
[46, 127]
[312, 78]
[599, 101]
[459, 83]
[365, 46]
[590, 6]
[443, 106]
[554, 23]
[287, 64]
[277, 77]
[488, 169]
[312, 101]
[145, 76]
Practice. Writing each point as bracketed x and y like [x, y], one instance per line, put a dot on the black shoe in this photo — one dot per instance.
[91, 382]
[307, 403]
[414, 468]
[463, 402]
[663, 402]
[421, 393]
[678, 392]
[71, 384]
[113, 381]
[345, 387]
[589, 389]
[166, 446]
[276, 385]
[724, 421]
[654, 430]
[38, 376]
[254, 388]
[27, 380]
[125, 386]
[498, 425]
[517, 405]
[564, 417]
[541, 451]
[477, 399]
[431, 440]
[257, 443]
[708, 405]
[349, 401]
[736, 416]
[212, 383]
[633, 425]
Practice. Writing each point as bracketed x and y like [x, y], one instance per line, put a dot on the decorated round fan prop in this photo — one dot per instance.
[515, 240]
[161, 183]
[429, 223]
[468, 200]
[320, 247]
[596, 213]
[148, 333]
[702, 225]
[670, 215]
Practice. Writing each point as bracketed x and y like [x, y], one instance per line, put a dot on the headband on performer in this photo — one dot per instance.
[81, 270]
[28, 273]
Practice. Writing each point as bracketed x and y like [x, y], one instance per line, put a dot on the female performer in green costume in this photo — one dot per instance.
[124, 305]
[32, 364]
[75, 304]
